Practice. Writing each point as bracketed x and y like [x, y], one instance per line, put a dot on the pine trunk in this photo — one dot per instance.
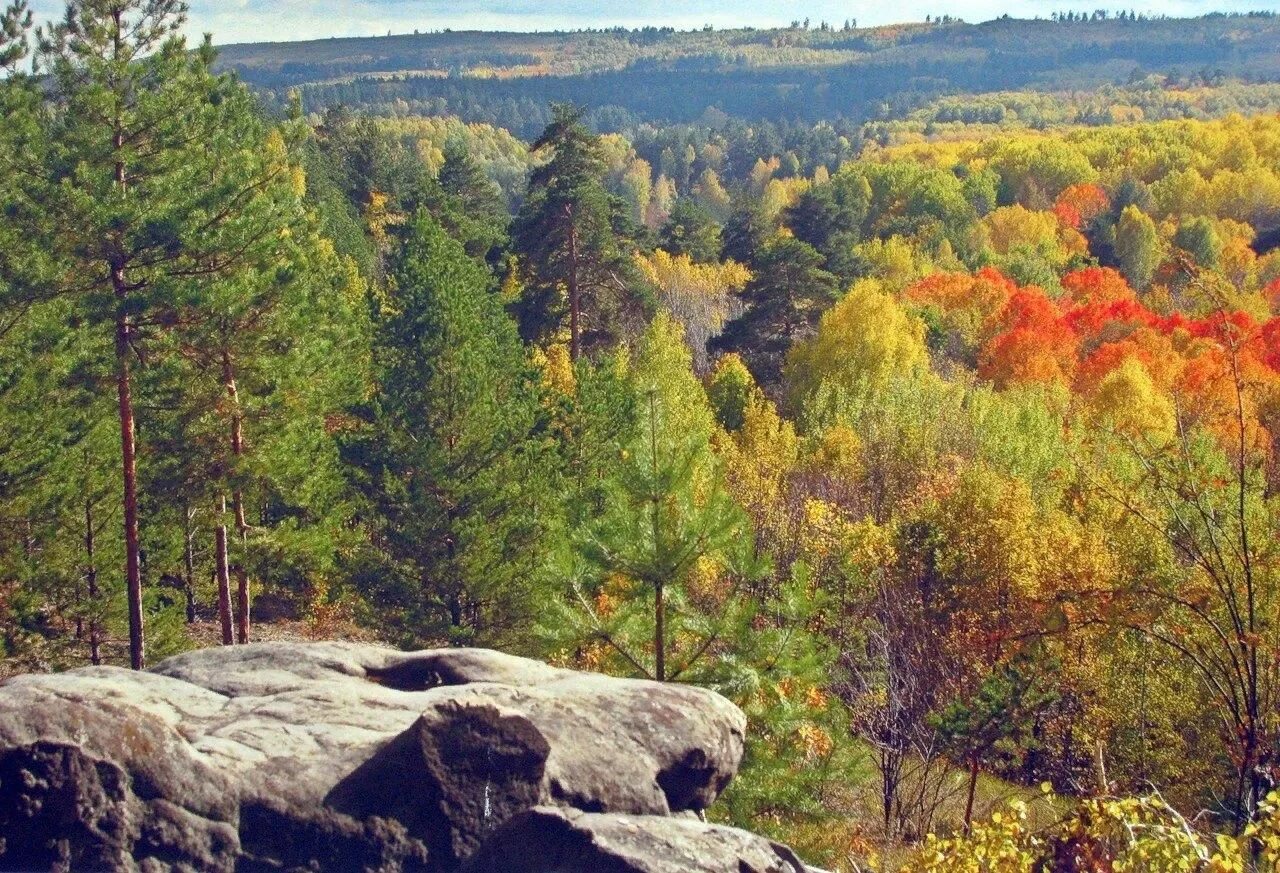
[129, 473]
[242, 605]
[124, 392]
[189, 563]
[973, 793]
[660, 633]
[91, 585]
[224, 584]
[237, 499]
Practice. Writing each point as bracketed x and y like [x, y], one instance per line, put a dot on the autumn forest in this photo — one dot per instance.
[936, 425]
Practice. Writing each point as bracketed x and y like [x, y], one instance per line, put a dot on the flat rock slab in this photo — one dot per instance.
[555, 840]
[338, 757]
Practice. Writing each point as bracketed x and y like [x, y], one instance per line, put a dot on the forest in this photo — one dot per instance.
[945, 444]
[812, 72]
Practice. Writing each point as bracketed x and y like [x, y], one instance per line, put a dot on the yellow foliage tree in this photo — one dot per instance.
[1010, 228]
[894, 261]
[862, 342]
[1129, 401]
[701, 297]
[759, 460]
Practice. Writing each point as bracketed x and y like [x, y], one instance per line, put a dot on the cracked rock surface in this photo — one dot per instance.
[336, 756]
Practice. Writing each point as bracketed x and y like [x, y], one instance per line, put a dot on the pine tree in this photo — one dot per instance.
[274, 352]
[55, 490]
[668, 535]
[746, 233]
[15, 25]
[668, 585]
[575, 265]
[691, 230]
[450, 455]
[830, 218]
[997, 720]
[785, 299]
[148, 180]
[478, 216]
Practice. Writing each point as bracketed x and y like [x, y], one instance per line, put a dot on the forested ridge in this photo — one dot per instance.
[944, 445]
[811, 72]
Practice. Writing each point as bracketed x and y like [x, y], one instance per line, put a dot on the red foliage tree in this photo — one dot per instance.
[1033, 343]
[1078, 205]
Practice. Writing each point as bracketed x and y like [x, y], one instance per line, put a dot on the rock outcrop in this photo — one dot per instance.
[350, 757]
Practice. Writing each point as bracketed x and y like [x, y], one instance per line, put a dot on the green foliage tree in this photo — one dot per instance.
[746, 233]
[692, 230]
[910, 199]
[366, 159]
[450, 456]
[1137, 247]
[729, 390]
[996, 722]
[574, 264]
[830, 218]
[667, 584]
[1199, 238]
[785, 298]
[15, 26]
[665, 512]
[149, 181]
[479, 209]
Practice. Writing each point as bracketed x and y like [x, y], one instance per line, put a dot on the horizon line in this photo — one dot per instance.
[836, 27]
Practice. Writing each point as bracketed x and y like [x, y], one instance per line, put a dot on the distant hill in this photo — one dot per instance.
[794, 74]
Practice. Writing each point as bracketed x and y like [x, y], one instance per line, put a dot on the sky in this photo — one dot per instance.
[270, 20]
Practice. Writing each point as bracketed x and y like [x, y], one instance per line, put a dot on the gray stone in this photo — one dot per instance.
[338, 756]
[91, 780]
[556, 840]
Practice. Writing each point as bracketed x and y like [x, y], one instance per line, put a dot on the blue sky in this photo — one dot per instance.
[258, 20]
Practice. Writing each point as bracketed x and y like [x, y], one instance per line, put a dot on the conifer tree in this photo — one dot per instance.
[449, 455]
[478, 210]
[667, 526]
[577, 272]
[785, 299]
[149, 181]
[746, 233]
[829, 218]
[691, 230]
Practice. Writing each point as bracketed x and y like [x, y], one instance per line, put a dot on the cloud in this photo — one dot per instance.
[263, 20]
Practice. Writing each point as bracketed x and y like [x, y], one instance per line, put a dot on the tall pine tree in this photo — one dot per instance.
[576, 269]
[785, 298]
[149, 181]
[451, 456]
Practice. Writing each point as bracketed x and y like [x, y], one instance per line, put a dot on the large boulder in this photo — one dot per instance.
[336, 756]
